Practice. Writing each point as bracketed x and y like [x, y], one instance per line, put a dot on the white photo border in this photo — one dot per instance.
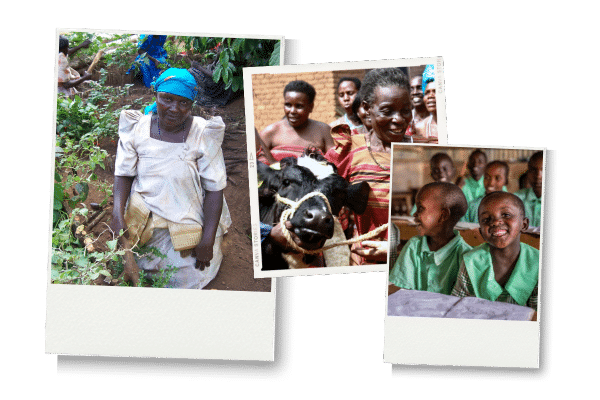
[164, 323]
[252, 171]
[465, 342]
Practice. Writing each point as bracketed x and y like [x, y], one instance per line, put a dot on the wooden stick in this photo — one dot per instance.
[95, 61]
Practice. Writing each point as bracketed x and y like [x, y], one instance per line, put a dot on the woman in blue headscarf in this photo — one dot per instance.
[169, 181]
[151, 58]
[428, 129]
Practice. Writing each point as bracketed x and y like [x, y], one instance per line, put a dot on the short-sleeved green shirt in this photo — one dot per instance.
[419, 268]
[473, 188]
[533, 206]
[476, 277]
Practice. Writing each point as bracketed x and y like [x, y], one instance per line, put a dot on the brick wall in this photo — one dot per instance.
[267, 91]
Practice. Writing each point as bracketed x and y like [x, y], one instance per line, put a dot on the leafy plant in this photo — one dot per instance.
[71, 262]
[233, 55]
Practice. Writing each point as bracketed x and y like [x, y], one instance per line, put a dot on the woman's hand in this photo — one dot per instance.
[203, 253]
[277, 236]
[373, 250]
[117, 224]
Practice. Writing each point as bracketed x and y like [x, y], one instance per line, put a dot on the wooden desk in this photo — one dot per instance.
[471, 236]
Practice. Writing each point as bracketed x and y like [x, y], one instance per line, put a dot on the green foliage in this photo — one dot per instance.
[232, 54]
[71, 262]
[122, 51]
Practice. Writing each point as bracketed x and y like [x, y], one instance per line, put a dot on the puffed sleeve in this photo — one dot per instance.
[127, 158]
[211, 165]
[341, 153]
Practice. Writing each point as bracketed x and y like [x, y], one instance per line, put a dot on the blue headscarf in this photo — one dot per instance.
[176, 81]
[428, 76]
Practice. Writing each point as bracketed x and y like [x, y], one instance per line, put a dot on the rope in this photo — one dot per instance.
[289, 213]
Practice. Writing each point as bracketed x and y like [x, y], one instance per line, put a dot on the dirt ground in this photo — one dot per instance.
[236, 272]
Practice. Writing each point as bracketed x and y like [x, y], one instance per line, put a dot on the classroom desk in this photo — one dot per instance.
[416, 303]
[471, 236]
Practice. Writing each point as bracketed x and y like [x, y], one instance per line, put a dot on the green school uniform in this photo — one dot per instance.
[533, 206]
[473, 208]
[419, 268]
[476, 277]
[473, 189]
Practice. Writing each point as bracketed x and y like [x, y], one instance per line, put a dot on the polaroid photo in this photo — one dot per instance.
[465, 256]
[151, 195]
[320, 152]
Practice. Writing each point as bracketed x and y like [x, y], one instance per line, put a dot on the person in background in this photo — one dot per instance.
[420, 112]
[532, 196]
[68, 78]
[472, 185]
[429, 128]
[495, 179]
[347, 89]
[151, 59]
[290, 136]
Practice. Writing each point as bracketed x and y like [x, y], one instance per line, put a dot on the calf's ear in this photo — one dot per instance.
[358, 195]
[264, 171]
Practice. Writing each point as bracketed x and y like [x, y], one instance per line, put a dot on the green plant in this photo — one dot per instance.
[233, 55]
[72, 263]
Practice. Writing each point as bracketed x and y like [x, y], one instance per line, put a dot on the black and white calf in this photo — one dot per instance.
[312, 222]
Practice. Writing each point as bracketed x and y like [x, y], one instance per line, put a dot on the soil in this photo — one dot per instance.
[236, 271]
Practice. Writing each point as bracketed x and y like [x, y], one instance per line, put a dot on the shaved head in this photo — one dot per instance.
[451, 196]
[505, 196]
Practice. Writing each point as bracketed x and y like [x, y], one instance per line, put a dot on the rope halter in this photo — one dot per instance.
[288, 213]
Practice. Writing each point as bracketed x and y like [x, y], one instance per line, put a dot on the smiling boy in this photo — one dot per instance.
[502, 269]
[430, 261]
[291, 135]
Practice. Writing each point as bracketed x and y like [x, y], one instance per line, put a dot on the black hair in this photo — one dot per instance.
[382, 77]
[516, 200]
[301, 87]
[356, 81]
[534, 157]
[437, 157]
[356, 104]
[502, 164]
[452, 197]
[478, 151]
[63, 43]
[523, 180]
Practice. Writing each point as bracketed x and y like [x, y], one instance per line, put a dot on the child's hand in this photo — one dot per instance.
[203, 253]
[372, 250]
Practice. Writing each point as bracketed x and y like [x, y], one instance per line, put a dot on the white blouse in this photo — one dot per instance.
[172, 177]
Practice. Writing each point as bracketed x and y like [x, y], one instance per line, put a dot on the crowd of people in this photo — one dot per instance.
[439, 260]
[378, 111]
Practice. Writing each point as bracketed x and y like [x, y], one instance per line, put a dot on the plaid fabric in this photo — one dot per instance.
[464, 288]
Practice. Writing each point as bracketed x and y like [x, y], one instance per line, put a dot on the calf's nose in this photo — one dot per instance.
[316, 219]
